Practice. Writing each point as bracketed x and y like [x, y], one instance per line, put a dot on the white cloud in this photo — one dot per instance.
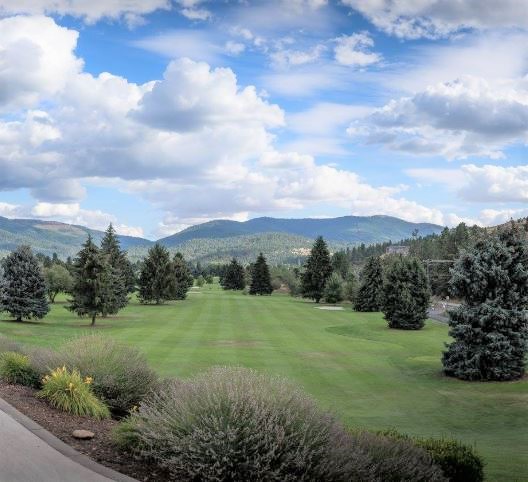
[481, 184]
[354, 50]
[196, 144]
[287, 57]
[234, 48]
[457, 119]
[192, 10]
[36, 60]
[195, 44]
[439, 18]
[192, 96]
[8, 210]
[91, 11]
[72, 213]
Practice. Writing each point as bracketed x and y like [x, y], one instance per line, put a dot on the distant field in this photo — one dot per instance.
[352, 363]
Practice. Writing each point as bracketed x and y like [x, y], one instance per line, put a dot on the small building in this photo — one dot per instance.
[395, 249]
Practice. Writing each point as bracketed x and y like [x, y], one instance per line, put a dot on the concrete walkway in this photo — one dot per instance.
[29, 453]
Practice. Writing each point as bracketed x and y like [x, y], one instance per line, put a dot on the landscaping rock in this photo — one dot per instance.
[83, 434]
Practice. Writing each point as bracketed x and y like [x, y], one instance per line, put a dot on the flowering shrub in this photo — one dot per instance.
[68, 391]
[121, 374]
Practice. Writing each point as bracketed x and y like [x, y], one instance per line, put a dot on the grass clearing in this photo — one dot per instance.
[351, 362]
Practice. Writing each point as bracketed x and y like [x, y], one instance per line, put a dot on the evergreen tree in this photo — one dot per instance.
[333, 292]
[260, 277]
[350, 288]
[22, 287]
[341, 264]
[406, 294]
[317, 269]
[156, 281]
[183, 279]
[58, 279]
[490, 327]
[233, 277]
[120, 266]
[370, 293]
[93, 291]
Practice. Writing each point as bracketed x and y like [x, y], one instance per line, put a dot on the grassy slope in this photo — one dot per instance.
[370, 376]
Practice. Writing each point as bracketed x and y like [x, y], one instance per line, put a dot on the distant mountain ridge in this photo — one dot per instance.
[281, 240]
[50, 237]
[344, 229]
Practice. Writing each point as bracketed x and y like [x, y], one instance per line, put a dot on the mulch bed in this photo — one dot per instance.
[61, 424]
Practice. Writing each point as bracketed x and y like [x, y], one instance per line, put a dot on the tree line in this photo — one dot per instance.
[99, 280]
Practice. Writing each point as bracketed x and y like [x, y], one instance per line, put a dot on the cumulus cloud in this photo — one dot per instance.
[36, 60]
[354, 50]
[439, 18]
[458, 119]
[204, 98]
[90, 11]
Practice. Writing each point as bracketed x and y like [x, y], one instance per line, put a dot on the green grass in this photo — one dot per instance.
[351, 362]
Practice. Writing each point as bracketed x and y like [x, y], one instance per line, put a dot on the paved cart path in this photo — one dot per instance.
[28, 453]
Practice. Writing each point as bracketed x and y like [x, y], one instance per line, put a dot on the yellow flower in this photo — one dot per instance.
[88, 380]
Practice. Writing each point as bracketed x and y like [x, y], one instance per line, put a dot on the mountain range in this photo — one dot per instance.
[281, 240]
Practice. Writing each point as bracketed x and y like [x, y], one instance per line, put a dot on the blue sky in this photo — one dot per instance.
[159, 114]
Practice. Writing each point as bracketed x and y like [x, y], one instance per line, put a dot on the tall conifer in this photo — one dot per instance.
[370, 293]
[93, 291]
[317, 270]
[260, 277]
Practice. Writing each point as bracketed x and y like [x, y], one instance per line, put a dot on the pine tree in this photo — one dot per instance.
[93, 291]
[350, 288]
[406, 294]
[333, 292]
[120, 266]
[156, 281]
[341, 264]
[233, 277]
[22, 288]
[317, 269]
[490, 327]
[260, 277]
[183, 279]
[370, 293]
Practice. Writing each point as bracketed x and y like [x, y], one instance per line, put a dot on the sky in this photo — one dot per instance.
[159, 114]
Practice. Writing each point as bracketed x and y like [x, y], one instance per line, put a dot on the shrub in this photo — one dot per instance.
[459, 462]
[395, 460]
[126, 435]
[16, 368]
[333, 291]
[68, 391]
[237, 424]
[43, 360]
[121, 375]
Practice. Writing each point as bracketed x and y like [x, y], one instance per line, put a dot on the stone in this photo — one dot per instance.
[83, 434]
